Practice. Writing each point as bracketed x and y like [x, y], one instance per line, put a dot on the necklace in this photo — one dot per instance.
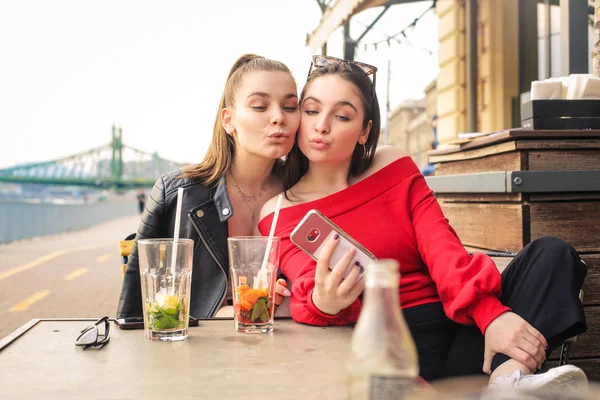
[247, 199]
[244, 195]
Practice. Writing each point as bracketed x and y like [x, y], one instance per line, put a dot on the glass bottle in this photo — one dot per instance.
[384, 362]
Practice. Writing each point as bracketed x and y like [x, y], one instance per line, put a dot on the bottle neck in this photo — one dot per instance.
[381, 286]
[384, 299]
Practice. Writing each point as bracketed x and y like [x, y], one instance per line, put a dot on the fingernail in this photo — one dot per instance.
[336, 236]
[281, 281]
[287, 293]
[357, 263]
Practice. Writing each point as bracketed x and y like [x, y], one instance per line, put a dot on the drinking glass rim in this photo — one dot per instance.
[250, 238]
[164, 240]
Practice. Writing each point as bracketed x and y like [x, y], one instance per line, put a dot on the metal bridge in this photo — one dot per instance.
[111, 165]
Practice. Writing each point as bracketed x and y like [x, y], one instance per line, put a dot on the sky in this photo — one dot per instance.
[70, 69]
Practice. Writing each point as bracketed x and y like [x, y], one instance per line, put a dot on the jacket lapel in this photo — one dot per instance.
[210, 220]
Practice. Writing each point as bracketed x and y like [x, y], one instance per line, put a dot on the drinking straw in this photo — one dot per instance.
[263, 267]
[176, 232]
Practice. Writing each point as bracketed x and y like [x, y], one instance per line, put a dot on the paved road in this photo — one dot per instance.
[75, 274]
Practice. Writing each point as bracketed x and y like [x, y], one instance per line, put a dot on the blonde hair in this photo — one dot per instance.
[221, 151]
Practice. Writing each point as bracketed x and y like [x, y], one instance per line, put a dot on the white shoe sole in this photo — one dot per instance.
[565, 376]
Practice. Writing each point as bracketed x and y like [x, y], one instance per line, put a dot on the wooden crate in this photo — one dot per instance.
[518, 218]
[507, 221]
[517, 223]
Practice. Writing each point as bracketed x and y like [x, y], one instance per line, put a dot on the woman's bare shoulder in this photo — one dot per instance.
[384, 156]
[269, 206]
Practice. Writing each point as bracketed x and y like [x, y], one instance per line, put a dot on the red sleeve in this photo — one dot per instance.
[469, 286]
[300, 269]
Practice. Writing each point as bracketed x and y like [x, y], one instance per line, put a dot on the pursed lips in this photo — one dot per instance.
[318, 144]
[319, 141]
[279, 135]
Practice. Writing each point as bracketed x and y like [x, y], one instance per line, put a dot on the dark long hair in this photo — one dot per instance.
[296, 163]
[221, 151]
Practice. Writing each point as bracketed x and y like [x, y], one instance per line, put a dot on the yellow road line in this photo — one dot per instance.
[31, 264]
[103, 258]
[75, 274]
[48, 257]
[25, 304]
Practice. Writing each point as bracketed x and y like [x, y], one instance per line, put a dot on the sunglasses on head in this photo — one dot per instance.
[319, 61]
[91, 336]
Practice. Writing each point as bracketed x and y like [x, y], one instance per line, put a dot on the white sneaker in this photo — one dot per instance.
[565, 377]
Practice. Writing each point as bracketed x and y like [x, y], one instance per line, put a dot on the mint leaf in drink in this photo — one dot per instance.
[166, 316]
[260, 311]
[264, 317]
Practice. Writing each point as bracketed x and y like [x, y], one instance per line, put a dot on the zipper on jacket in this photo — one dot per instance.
[201, 235]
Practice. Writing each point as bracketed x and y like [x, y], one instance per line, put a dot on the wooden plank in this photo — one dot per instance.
[479, 197]
[476, 153]
[571, 160]
[591, 287]
[567, 196]
[491, 226]
[590, 366]
[557, 144]
[502, 262]
[519, 134]
[577, 223]
[510, 161]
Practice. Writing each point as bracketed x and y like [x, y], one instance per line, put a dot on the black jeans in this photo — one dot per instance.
[541, 284]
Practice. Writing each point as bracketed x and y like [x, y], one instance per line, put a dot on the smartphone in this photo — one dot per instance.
[138, 322]
[315, 229]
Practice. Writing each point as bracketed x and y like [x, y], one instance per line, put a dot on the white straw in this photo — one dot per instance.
[177, 225]
[178, 213]
[263, 268]
[275, 216]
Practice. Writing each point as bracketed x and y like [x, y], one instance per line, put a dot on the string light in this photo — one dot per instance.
[402, 33]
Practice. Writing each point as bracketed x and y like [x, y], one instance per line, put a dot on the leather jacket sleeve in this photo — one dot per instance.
[152, 225]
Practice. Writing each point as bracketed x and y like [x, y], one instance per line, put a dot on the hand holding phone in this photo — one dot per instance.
[314, 230]
[333, 293]
[340, 261]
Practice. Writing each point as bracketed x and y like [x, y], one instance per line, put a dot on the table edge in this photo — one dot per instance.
[17, 333]
[20, 331]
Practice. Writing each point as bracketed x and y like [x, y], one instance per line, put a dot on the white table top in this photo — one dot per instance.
[295, 362]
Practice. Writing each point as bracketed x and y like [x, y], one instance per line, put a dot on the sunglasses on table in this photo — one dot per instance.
[319, 61]
[93, 336]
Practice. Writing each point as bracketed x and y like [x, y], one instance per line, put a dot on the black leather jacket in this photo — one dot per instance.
[204, 214]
